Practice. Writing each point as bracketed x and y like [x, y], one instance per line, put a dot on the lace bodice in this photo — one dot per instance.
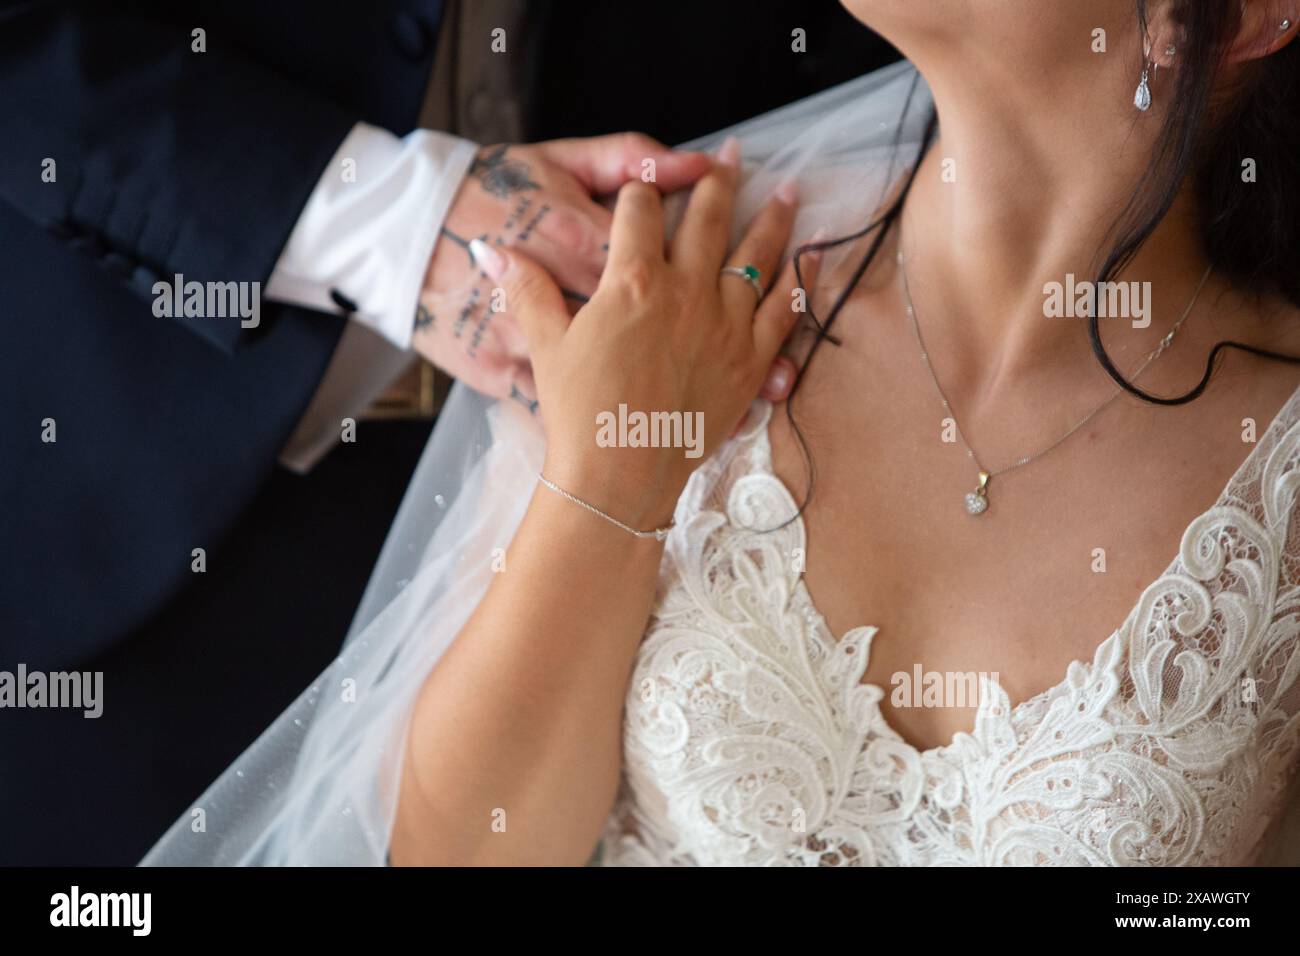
[750, 738]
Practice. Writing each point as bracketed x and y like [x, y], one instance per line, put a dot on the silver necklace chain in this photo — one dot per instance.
[977, 500]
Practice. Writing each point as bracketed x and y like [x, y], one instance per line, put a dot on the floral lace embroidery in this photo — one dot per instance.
[749, 738]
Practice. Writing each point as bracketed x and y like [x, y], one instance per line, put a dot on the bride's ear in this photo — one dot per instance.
[1266, 27]
[1163, 37]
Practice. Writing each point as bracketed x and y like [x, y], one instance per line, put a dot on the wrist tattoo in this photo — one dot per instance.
[479, 331]
[517, 213]
[532, 223]
[462, 242]
[501, 176]
[423, 318]
[468, 310]
[522, 399]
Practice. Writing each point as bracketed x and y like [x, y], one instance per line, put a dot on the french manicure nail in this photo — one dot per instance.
[788, 191]
[486, 258]
[820, 236]
[729, 152]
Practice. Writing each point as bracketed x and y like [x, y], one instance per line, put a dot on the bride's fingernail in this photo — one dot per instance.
[788, 191]
[815, 239]
[729, 152]
[487, 258]
[778, 379]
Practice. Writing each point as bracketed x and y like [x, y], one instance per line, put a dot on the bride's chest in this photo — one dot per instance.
[1056, 563]
[752, 737]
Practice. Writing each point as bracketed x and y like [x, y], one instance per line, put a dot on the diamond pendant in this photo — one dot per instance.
[977, 501]
[1142, 98]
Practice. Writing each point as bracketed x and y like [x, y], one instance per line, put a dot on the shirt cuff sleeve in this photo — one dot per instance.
[364, 239]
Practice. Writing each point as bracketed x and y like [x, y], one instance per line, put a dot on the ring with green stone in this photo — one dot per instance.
[749, 273]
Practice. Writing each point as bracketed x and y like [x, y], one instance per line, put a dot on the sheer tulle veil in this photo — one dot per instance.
[319, 786]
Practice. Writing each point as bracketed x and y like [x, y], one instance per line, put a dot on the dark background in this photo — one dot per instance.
[185, 694]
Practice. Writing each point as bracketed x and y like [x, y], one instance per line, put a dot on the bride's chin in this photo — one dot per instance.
[904, 22]
[1031, 30]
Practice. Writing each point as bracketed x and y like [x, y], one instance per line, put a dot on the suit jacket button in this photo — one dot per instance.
[412, 36]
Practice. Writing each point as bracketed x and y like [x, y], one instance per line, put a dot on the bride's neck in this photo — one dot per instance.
[1018, 192]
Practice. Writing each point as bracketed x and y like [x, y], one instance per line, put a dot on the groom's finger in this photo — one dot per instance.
[572, 244]
[532, 296]
[510, 337]
[604, 163]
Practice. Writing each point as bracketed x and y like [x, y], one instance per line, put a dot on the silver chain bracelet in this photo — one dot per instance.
[658, 533]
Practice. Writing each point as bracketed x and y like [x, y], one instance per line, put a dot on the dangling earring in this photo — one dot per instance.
[1142, 98]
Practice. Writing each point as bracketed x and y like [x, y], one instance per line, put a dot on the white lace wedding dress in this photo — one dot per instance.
[749, 737]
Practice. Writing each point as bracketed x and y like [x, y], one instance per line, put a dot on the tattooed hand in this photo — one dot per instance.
[542, 199]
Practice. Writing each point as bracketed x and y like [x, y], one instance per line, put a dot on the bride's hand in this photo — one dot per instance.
[665, 331]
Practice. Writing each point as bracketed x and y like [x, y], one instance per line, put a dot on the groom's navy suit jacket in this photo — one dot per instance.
[166, 161]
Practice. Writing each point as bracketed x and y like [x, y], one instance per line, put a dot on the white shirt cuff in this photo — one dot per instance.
[370, 226]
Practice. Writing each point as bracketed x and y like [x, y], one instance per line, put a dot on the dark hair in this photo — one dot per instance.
[1250, 235]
